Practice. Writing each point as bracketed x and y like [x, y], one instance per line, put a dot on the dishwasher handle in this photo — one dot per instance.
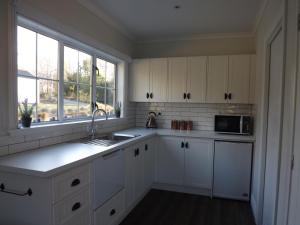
[111, 154]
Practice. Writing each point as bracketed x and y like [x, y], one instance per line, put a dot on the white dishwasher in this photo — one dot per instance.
[232, 170]
[108, 176]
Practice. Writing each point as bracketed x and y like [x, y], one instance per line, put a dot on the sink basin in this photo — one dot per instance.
[107, 140]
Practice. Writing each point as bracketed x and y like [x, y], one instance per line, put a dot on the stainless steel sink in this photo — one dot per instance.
[107, 140]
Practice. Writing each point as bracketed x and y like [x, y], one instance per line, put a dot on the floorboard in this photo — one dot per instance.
[172, 208]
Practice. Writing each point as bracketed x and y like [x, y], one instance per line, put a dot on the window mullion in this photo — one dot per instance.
[94, 79]
[61, 82]
[36, 77]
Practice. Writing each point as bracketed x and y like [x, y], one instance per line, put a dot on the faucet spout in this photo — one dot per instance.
[93, 130]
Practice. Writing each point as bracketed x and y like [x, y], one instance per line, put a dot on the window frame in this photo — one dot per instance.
[66, 41]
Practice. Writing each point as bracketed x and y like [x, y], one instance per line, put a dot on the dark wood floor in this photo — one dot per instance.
[171, 208]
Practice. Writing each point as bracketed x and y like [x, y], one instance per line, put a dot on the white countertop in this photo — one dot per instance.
[48, 161]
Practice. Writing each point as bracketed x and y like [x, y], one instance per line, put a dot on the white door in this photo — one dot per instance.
[198, 163]
[274, 122]
[196, 79]
[139, 80]
[239, 78]
[129, 176]
[149, 154]
[170, 161]
[177, 79]
[232, 170]
[217, 78]
[252, 79]
[139, 172]
[158, 80]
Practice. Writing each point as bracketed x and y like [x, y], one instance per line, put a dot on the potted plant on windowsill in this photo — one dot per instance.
[26, 113]
[118, 110]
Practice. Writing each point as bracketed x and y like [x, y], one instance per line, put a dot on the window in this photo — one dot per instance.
[59, 79]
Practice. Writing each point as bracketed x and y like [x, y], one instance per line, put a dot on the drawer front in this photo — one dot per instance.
[70, 182]
[82, 218]
[111, 210]
[71, 207]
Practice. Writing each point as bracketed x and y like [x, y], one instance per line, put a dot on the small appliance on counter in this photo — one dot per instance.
[234, 124]
[151, 122]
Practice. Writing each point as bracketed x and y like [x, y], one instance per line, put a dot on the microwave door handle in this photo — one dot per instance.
[241, 124]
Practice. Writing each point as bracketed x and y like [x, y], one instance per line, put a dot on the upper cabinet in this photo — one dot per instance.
[202, 79]
[148, 80]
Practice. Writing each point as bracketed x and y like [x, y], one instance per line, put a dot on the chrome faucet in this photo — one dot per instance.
[93, 130]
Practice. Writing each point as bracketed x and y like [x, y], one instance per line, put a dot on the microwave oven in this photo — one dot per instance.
[234, 124]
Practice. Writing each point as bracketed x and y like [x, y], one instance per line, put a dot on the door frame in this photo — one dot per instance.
[275, 31]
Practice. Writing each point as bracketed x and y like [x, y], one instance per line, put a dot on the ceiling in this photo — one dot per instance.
[146, 20]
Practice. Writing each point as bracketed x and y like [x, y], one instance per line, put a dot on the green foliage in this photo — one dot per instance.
[26, 109]
[118, 107]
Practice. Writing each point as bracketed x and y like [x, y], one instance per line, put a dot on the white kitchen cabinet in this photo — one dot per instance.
[198, 163]
[148, 79]
[149, 162]
[232, 170]
[196, 79]
[139, 73]
[170, 161]
[217, 79]
[239, 79]
[177, 79]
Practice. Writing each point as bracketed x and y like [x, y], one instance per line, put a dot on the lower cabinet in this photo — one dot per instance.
[185, 162]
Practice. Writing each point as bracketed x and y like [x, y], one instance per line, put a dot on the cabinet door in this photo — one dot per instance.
[198, 163]
[252, 79]
[139, 172]
[196, 79]
[217, 77]
[177, 79]
[130, 176]
[149, 153]
[139, 80]
[239, 78]
[159, 80]
[232, 170]
[170, 161]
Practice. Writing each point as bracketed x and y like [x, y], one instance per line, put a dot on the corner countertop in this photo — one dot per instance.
[49, 161]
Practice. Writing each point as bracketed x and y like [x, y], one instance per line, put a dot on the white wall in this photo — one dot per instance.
[272, 15]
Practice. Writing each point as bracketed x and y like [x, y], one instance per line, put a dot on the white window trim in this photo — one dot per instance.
[64, 40]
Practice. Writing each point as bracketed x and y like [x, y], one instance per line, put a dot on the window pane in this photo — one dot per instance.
[70, 64]
[100, 77]
[70, 100]
[110, 101]
[47, 52]
[84, 100]
[47, 100]
[27, 90]
[26, 52]
[100, 97]
[85, 68]
[110, 75]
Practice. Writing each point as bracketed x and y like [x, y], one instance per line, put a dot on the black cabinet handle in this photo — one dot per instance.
[135, 152]
[151, 95]
[182, 144]
[76, 206]
[184, 95]
[146, 147]
[186, 145]
[147, 95]
[138, 151]
[112, 212]
[75, 182]
[15, 192]
[188, 96]
[225, 96]
[229, 96]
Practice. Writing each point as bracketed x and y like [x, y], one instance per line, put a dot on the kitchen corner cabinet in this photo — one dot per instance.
[187, 79]
[148, 80]
[228, 79]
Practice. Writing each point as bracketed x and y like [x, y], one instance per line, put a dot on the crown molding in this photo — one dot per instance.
[105, 17]
[200, 37]
[260, 15]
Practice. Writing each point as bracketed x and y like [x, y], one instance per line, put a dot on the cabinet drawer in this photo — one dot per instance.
[82, 218]
[70, 182]
[77, 205]
[111, 210]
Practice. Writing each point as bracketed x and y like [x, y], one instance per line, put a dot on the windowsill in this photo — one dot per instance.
[52, 126]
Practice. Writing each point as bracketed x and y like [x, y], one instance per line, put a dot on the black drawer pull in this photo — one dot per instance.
[151, 95]
[75, 182]
[76, 206]
[184, 95]
[182, 144]
[225, 96]
[147, 95]
[188, 95]
[146, 147]
[15, 192]
[112, 212]
[186, 145]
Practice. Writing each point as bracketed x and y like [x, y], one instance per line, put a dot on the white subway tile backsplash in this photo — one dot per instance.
[202, 115]
[15, 148]
[3, 150]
